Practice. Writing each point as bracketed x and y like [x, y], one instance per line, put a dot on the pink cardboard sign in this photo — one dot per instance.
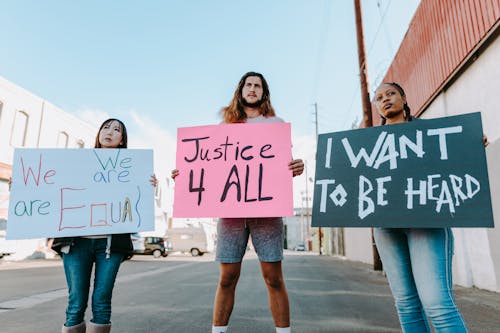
[234, 170]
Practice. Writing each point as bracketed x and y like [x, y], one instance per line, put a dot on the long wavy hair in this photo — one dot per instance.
[406, 108]
[123, 143]
[234, 112]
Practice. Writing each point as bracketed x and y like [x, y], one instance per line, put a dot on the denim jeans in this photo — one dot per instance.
[78, 268]
[418, 266]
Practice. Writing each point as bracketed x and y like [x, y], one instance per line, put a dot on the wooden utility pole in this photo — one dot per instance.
[365, 98]
[363, 68]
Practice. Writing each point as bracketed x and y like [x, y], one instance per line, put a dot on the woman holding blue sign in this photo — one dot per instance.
[106, 252]
[417, 261]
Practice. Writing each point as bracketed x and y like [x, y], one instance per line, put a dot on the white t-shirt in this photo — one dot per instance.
[262, 119]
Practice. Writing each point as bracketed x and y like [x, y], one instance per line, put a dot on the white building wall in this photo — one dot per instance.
[358, 244]
[477, 253]
[294, 231]
[477, 250]
[45, 121]
[56, 121]
[16, 99]
[493, 156]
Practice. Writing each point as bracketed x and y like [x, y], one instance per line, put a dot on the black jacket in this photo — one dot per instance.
[120, 243]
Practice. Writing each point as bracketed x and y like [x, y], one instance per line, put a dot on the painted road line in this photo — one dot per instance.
[31, 301]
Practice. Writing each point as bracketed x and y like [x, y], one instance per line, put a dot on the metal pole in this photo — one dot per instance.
[307, 202]
[320, 233]
[365, 98]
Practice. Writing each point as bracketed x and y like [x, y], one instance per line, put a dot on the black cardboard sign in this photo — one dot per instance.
[424, 173]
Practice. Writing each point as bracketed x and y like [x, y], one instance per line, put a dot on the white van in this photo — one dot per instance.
[190, 239]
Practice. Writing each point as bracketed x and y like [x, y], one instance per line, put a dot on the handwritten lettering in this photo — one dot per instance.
[30, 207]
[385, 149]
[113, 174]
[36, 178]
[100, 214]
[233, 179]
[227, 150]
[448, 188]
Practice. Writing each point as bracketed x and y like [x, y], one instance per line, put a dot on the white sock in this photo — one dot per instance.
[219, 329]
[283, 329]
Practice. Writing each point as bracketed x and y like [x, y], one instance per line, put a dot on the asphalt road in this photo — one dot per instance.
[175, 294]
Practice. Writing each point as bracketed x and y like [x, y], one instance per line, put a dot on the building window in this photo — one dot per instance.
[62, 140]
[80, 144]
[19, 129]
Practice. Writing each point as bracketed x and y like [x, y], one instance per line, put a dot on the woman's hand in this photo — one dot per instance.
[485, 141]
[297, 167]
[153, 180]
[174, 173]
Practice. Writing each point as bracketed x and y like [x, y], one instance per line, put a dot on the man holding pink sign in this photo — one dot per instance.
[251, 104]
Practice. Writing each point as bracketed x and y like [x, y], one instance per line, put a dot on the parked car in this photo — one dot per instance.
[190, 239]
[300, 247]
[151, 245]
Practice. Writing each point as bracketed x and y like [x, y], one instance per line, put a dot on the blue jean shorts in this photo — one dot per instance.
[232, 238]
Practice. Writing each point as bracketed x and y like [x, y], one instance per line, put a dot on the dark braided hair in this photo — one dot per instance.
[406, 108]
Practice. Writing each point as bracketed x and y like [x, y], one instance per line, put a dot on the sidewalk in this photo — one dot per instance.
[29, 263]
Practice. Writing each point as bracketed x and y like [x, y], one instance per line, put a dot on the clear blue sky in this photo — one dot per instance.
[160, 65]
[178, 62]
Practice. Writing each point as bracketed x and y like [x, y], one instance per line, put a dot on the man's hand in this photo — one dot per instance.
[297, 167]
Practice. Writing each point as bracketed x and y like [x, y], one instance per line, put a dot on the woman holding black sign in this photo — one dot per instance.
[417, 261]
[106, 252]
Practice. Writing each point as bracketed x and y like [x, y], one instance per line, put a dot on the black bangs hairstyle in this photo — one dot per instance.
[124, 141]
[406, 108]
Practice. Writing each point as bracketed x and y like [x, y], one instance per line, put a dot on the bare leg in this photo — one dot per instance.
[224, 297]
[276, 289]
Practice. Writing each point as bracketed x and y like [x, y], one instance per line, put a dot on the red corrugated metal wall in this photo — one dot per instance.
[439, 39]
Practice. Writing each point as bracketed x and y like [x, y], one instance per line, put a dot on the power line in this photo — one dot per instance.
[354, 96]
[382, 19]
[386, 29]
[325, 24]
[321, 53]
[387, 35]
